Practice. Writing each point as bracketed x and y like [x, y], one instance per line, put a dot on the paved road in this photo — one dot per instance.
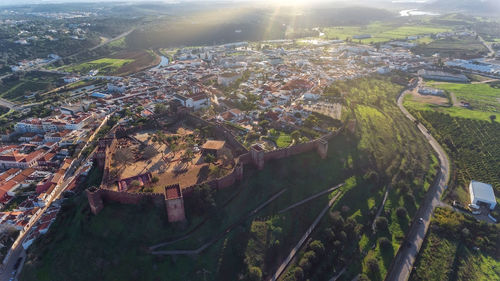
[488, 46]
[405, 258]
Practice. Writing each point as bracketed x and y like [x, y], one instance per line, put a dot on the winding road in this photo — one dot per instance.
[405, 258]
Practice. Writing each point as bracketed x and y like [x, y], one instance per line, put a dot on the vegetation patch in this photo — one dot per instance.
[457, 247]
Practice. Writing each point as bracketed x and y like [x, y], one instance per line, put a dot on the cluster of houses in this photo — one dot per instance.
[33, 163]
[244, 84]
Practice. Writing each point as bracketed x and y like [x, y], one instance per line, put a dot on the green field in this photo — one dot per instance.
[482, 97]
[452, 111]
[448, 251]
[381, 32]
[104, 65]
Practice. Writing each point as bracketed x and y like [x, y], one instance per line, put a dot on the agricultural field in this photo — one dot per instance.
[16, 87]
[465, 48]
[482, 97]
[382, 32]
[472, 146]
[457, 247]
[414, 103]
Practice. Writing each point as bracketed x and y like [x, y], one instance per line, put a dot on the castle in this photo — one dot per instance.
[173, 196]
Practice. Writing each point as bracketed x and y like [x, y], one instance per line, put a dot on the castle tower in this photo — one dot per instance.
[322, 148]
[95, 200]
[174, 203]
[257, 153]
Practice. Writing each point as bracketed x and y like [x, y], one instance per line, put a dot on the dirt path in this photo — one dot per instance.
[297, 247]
[311, 198]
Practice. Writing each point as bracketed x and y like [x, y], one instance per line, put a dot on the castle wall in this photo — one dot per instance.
[130, 198]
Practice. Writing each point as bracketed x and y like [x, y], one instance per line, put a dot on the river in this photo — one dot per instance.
[416, 12]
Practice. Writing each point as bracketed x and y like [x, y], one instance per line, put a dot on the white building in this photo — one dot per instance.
[482, 193]
[195, 101]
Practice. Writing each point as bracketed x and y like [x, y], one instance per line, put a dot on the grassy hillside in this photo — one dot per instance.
[15, 88]
[389, 144]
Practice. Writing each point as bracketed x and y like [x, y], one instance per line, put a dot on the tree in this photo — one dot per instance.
[381, 224]
[160, 108]
[154, 179]
[188, 155]
[305, 264]
[254, 274]
[384, 243]
[215, 171]
[298, 273]
[372, 265]
[135, 183]
[210, 158]
[401, 212]
[363, 277]
[295, 136]
[202, 199]
[174, 148]
[317, 247]
[123, 155]
[149, 152]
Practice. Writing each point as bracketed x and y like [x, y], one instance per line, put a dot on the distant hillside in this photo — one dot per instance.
[218, 26]
[491, 7]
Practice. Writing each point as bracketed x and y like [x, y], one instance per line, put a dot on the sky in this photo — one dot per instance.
[11, 2]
